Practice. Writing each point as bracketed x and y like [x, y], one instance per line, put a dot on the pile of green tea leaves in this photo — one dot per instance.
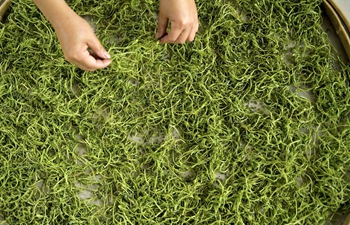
[248, 124]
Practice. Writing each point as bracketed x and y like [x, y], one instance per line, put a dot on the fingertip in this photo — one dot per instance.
[107, 62]
[161, 34]
[161, 39]
[164, 40]
[107, 55]
[103, 63]
[92, 63]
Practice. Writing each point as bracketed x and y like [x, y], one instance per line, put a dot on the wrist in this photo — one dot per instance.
[57, 12]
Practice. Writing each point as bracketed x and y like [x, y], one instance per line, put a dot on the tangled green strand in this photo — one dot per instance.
[249, 124]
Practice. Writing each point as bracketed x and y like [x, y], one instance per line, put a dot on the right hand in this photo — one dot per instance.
[80, 45]
[183, 17]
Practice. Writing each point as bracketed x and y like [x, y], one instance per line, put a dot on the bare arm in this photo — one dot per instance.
[75, 35]
[56, 11]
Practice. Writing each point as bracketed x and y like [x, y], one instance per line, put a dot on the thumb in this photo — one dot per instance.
[97, 48]
[162, 25]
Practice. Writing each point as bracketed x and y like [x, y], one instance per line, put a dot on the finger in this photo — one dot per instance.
[183, 36]
[192, 34]
[91, 67]
[78, 64]
[162, 26]
[172, 36]
[97, 48]
[90, 63]
[83, 67]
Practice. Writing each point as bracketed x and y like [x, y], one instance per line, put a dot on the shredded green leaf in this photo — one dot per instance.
[249, 124]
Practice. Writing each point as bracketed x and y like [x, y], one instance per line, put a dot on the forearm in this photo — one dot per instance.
[57, 12]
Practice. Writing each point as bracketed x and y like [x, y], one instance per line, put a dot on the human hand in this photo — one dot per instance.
[80, 44]
[183, 17]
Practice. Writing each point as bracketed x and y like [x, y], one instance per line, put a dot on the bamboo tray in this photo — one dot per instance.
[338, 12]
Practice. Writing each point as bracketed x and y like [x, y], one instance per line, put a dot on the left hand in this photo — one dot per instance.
[183, 18]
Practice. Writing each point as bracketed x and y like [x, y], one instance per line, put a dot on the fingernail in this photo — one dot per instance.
[108, 56]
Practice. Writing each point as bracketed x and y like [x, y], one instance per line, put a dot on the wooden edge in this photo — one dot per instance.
[347, 220]
[339, 26]
[4, 5]
[340, 12]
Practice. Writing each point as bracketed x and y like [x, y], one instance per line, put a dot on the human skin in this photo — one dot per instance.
[81, 47]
